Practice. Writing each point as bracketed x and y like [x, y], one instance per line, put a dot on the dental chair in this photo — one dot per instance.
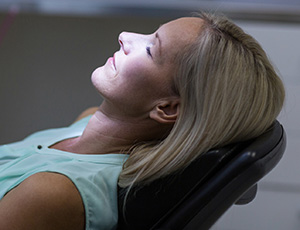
[196, 197]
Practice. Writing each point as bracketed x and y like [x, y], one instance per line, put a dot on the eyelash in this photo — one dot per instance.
[148, 51]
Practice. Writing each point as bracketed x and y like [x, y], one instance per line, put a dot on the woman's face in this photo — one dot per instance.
[141, 72]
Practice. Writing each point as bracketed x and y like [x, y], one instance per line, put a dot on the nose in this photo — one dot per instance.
[125, 42]
[130, 41]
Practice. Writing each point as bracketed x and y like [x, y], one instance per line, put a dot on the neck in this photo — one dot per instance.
[110, 134]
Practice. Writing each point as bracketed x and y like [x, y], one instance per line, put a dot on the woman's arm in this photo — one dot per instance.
[43, 201]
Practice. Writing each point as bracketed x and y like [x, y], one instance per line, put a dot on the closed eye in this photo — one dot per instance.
[148, 51]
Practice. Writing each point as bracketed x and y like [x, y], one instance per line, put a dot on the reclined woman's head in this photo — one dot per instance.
[228, 92]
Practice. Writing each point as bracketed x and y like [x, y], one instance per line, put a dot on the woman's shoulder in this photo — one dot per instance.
[43, 199]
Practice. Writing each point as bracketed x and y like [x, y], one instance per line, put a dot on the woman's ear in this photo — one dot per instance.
[166, 111]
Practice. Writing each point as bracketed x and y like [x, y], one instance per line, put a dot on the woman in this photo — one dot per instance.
[194, 84]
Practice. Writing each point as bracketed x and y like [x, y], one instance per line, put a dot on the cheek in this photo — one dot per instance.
[137, 75]
[141, 79]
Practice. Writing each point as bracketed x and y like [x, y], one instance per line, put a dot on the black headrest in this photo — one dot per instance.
[147, 204]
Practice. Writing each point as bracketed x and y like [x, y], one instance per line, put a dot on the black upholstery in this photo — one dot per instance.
[197, 196]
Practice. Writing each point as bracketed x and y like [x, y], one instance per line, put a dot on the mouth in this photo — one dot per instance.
[111, 61]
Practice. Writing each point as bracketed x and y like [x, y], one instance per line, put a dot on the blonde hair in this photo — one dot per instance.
[229, 92]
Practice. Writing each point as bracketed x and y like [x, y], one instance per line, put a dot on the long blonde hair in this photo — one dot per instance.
[229, 92]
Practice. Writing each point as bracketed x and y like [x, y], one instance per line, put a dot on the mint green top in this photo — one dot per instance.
[95, 176]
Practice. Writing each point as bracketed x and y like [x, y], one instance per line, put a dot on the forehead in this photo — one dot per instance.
[187, 24]
[179, 33]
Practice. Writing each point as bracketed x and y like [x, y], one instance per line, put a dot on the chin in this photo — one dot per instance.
[101, 81]
[96, 77]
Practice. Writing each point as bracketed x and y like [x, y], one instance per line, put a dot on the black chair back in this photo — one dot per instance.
[194, 198]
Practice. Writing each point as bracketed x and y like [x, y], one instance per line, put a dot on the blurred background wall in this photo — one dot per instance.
[48, 52]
